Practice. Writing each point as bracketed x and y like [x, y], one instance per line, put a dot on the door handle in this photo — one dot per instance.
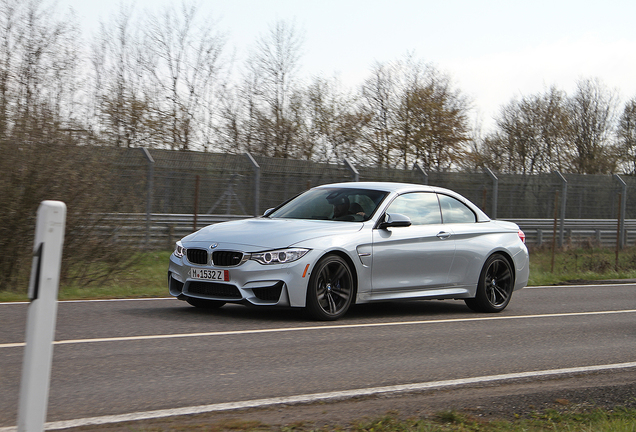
[443, 235]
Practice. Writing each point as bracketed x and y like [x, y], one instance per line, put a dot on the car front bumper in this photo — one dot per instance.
[250, 282]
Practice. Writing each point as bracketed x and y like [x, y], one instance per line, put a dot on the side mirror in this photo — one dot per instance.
[395, 220]
[268, 211]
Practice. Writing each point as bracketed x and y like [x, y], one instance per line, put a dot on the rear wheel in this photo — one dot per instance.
[205, 304]
[330, 289]
[495, 286]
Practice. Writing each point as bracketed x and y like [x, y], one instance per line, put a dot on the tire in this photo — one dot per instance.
[495, 286]
[331, 289]
[205, 304]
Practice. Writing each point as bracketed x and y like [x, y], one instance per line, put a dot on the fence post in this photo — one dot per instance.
[495, 191]
[150, 186]
[257, 183]
[554, 228]
[197, 183]
[622, 210]
[417, 167]
[354, 171]
[564, 198]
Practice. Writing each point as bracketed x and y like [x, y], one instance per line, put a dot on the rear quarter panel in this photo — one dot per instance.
[475, 242]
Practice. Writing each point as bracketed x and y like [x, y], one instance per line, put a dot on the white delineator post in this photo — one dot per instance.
[42, 313]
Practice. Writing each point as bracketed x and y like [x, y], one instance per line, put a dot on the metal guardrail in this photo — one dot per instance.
[162, 230]
[601, 232]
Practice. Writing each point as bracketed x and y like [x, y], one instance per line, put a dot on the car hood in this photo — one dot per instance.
[263, 233]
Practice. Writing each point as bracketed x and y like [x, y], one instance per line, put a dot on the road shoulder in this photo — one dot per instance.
[507, 400]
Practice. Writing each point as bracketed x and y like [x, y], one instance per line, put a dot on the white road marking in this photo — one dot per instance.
[316, 397]
[324, 327]
[598, 285]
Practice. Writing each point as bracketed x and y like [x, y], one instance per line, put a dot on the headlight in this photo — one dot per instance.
[179, 250]
[280, 256]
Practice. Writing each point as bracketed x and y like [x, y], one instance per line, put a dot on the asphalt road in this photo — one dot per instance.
[117, 357]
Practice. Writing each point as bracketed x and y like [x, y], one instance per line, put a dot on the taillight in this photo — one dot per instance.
[522, 236]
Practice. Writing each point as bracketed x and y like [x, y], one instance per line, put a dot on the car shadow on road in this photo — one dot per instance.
[416, 309]
[182, 312]
[394, 310]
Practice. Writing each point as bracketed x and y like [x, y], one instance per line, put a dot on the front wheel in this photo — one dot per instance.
[331, 288]
[495, 286]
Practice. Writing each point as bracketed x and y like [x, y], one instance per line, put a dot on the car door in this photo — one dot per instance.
[470, 245]
[415, 257]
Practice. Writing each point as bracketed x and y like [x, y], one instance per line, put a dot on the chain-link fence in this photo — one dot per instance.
[212, 183]
[179, 183]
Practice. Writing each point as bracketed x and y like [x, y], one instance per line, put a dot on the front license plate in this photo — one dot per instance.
[207, 274]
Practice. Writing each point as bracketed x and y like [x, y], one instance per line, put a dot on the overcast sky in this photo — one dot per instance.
[493, 50]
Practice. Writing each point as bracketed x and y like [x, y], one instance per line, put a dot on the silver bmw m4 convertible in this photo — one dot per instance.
[340, 244]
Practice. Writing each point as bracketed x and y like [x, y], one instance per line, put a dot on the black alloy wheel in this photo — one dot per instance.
[331, 289]
[495, 286]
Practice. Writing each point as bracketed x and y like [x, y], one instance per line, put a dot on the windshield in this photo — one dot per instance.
[342, 204]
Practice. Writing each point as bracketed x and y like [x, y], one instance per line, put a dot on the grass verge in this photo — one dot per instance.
[591, 420]
[147, 277]
[617, 420]
[580, 264]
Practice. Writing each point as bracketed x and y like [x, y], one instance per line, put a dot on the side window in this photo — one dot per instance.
[454, 211]
[421, 207]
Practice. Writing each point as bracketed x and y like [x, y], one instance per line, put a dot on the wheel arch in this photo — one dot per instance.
[354, 271]
[496, 298]
[508, 258]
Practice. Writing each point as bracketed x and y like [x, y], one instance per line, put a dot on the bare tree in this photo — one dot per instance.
[120, 99]
[183, 55]
[379, 106]
[335, 122]
[440, 122]
[627, 136]
[415, 115]
[39, 158]
[532, 137]
[273, 65]
[592, 114]
[9, 51]
[240, 117]
[38, 70]
[409, 81]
